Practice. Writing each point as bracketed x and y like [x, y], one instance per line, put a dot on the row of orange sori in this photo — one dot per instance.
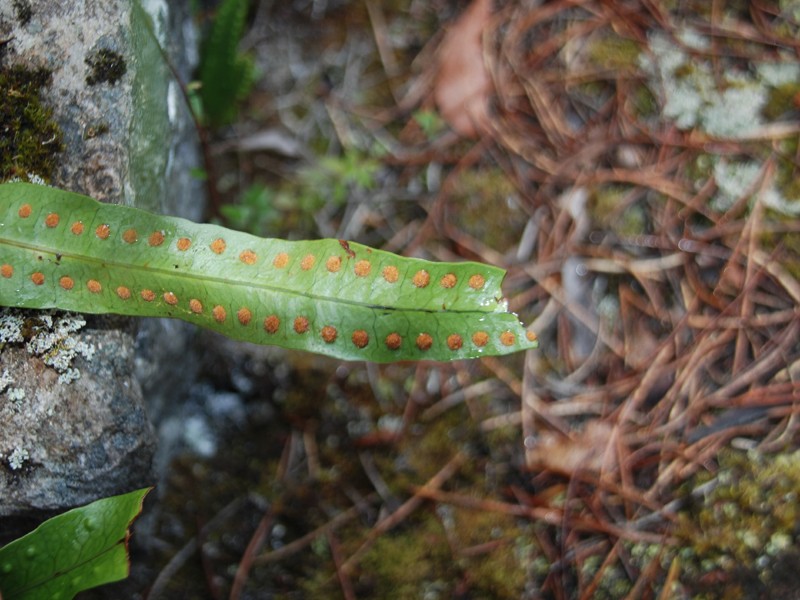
[272, 323]
[362, 268]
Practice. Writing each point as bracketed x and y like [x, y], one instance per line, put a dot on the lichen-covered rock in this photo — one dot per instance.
[127, 138]
[72, 440]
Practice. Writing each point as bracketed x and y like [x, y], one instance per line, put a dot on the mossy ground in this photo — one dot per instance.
[440, 550]
[743, 532]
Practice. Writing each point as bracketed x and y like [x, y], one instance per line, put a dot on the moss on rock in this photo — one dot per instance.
[105, 66]
[30, 140]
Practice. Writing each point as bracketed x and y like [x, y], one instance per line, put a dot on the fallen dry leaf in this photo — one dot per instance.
[463, 84]
[586, 451]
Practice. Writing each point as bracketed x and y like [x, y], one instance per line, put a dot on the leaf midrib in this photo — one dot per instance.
[188, 275]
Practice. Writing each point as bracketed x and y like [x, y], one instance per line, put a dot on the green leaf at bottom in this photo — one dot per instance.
[80, 549]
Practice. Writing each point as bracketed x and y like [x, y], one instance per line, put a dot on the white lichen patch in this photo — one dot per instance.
[48, 335]
[15, 394]
[11, 324]
[5, 380]
[727, 103]
[735, 112]
[775, 74]
[740, 179]
[30, 177]
[17, 458]
[694, 97]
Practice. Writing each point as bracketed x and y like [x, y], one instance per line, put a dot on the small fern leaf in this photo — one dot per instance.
[225, 74]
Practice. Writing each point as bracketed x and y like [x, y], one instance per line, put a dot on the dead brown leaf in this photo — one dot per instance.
[463, 84]
[586, 451]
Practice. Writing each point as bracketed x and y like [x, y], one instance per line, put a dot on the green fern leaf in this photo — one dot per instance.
[226, 75]
[338, 298]
[75, 551]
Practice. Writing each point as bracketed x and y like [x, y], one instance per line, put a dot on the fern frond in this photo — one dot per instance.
[226, 74]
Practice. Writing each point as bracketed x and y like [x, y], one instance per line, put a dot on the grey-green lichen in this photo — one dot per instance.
[693, 96]
[17, 457]
[14, 394]
[734, 103]
[47, 335]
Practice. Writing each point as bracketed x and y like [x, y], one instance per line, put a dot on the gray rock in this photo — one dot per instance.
[129, 140]
[74, 441]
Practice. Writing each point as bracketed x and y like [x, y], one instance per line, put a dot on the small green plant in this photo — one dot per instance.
[226, 75]
[430, 122]
[325, 184]
[81, 549]
[256, 212]
[336, 177]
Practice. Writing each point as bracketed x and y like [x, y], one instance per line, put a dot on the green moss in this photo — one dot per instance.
[788, 245]
[644, 102]
[437, 443]
[790, 188]
[95, 130]
[787, 184]
[501, 571]
[781, 100]
[105, 66]
[433, 558]
[699, 170]
[686, 70]
[615, 580]
[744, 526]
[787, 181]
[614, 53]
[31, 139]
[477, 189]
[408, 563]
[611, 208]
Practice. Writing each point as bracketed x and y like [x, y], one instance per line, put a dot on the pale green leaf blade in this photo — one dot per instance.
[64, 250]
